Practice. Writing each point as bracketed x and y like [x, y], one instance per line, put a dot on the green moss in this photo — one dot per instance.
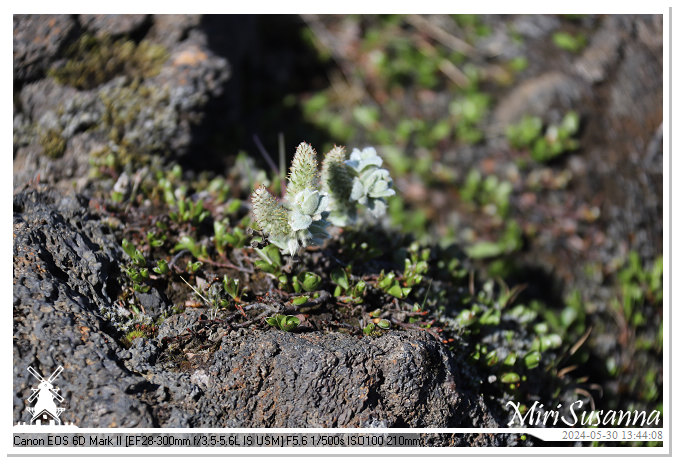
[137, 115]
[91, 61]
[136, 120]
[53, 144]
[132, 336]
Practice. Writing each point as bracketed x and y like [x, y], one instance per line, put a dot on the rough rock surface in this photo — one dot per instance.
[37, 38]
[64, 272]
[278, 379]
[169, 106]
[63, 259]
[112, 24]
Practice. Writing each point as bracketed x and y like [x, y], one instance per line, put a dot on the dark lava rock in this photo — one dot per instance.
[277, 379]
[162, 113]
[64, 263]
[37, 39]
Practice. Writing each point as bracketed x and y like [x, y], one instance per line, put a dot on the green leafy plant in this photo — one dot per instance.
[344, 289]
[235, 237]
[390, 284]
[511, 240]
[525, 132]
[271, 259]
[468, 111]
[137, 272]
[161, 267]
[189, 243]
[488, 192]
[192, 267]
[283, 322]
[376, 327]
[556, 140]
[639, 285]
[306, 281]
[154, 240]
[232, 288]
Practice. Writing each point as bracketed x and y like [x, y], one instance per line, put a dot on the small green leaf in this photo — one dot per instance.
[296, 285]
[510, 360]
[141, 288]
[339, 277]
[510, 377]
[490, 317]
[300, 300]
[396, 291]
[384, 324]
[289, 323]
[532, 360]
[161, 267]
[310, 281]
[465, 318]
[359, 288]
[129, 248]
[569, 42]
[193, 267]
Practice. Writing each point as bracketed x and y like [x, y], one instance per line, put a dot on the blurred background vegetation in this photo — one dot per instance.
[503, 135]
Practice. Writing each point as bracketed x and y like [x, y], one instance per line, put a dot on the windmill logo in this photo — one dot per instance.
[45, 411]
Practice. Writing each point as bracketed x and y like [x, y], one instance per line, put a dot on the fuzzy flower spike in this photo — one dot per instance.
[300, 220]
[314, 199]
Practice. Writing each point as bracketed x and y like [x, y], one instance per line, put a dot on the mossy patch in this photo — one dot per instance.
[92, 61]
[136, 120]
[53, 143]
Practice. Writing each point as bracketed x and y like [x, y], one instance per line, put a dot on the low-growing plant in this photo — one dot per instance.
[306, 281]
[344, 289]
[189, 243]
[416, 266]
[468, 111]
[376, 327]
[639, 285]
[271, 259]
[283, 322]
[510, 241]
[161, 267]
[192, 267]
[391, 285]
[154, 240]
[236, 237]
[315, 199]
[556, 140]
[137, 272]
[232, 288]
